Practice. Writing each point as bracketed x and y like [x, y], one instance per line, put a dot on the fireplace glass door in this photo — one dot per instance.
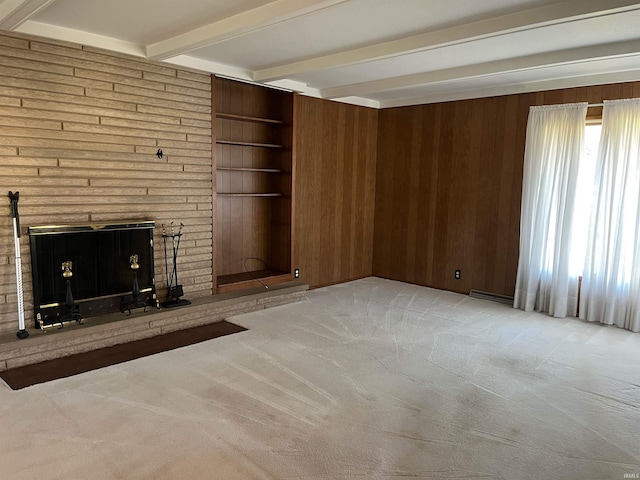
[99, 260]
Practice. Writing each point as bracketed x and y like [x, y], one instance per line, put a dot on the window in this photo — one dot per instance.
[581, 214]
[584, 198]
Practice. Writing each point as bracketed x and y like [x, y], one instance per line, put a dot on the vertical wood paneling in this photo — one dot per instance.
[335, 184]
[80, 129]
[449, 185]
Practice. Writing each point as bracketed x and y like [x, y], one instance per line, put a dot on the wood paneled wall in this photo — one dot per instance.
[335, 184]
[448, 188]
[79, 130]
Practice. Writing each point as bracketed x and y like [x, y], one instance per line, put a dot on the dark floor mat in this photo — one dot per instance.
[28, 375]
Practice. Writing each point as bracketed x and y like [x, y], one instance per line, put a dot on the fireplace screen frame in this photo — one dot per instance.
[101, 288]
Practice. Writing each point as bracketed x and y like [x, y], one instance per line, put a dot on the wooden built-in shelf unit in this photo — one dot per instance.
[253, 134]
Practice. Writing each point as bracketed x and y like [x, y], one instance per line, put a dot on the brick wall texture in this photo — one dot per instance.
[79, 131]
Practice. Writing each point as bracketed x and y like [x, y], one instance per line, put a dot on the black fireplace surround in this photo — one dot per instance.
[102, 276]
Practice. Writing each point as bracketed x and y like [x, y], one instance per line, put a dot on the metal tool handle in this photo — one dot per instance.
[14, 197]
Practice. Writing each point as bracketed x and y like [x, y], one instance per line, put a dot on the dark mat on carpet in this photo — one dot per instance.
[28, 375]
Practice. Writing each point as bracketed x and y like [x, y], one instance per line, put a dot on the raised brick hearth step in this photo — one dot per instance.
[98, 332]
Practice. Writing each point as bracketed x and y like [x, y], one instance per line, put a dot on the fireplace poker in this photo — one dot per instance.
[174, 291]
[175, 248]
[13, 197]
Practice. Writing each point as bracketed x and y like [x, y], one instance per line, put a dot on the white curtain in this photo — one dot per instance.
[554, 143]
[611, 280]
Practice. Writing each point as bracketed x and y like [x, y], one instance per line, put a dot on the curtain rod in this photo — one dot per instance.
[595, 105]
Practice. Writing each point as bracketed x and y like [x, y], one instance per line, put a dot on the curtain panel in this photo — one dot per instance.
[554, 144]
[610, 290]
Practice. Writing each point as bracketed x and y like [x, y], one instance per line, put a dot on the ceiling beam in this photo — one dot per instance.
[526, 87]
[211, 67]
[508, 65]
[14, 13]
[236, 25]
[519, 21]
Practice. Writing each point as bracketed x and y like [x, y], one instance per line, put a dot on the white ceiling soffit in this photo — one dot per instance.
[14, 13]
[378, 53]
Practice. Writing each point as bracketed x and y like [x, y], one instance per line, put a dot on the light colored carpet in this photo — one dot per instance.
[369, 379]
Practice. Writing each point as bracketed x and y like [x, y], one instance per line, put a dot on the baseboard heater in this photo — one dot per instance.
[495, 297]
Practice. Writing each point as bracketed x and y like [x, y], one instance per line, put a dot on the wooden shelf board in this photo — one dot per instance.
[248, 169]
[249, 144]
[247, 118]
[244, 280]
[250, 194]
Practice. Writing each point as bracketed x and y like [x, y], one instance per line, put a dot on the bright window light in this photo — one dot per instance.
[584, 197]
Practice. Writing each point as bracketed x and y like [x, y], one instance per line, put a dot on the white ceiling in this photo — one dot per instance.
[379, 53]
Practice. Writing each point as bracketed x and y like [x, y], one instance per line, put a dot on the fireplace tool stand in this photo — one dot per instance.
[135, 289]
[73, 311]
[175, 291]
[22, 331]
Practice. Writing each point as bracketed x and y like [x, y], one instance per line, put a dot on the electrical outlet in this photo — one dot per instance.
[296, 273]
[456, 275]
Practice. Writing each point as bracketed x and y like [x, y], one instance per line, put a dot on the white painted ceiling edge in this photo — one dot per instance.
[376, 53]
